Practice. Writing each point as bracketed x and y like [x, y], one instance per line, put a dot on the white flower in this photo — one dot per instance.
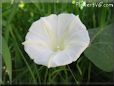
[56, 40]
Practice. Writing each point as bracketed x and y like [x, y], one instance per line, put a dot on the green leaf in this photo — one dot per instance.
[7, 58]
[100, 51]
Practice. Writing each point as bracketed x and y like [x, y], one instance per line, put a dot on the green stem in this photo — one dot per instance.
[73, 75]
[37, 72]
[89, 72]
[46, 75]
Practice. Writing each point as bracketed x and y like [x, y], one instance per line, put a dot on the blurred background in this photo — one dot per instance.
[18, 68]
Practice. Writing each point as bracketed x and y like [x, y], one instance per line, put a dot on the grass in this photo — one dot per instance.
[15, 24]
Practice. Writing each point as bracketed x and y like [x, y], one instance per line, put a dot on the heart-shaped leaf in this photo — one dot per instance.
[100, 51]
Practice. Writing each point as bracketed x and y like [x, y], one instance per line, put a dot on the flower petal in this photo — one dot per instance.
[67, 56]
[62, 58]
[76, 32]
[51, 22]
[64, 21]
[39, 54]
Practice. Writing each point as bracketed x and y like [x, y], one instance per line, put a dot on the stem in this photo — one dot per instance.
[73, 75]
[89, 72]
[46, 75]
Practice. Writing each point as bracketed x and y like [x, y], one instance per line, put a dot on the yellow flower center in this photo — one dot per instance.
[58, 48]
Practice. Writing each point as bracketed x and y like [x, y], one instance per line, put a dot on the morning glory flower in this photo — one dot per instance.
[56, 40]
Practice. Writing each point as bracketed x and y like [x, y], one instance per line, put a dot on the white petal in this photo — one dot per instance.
[51, 22]
[51, 27]
[77, 33]
[38, 27]
[39, 54]
[64, 21]
[62, 58]
[67, 56]
[79, 37]
[78, 48]
[33, 36]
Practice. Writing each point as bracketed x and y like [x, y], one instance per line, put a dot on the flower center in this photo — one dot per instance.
[59, 45]
[58, 48]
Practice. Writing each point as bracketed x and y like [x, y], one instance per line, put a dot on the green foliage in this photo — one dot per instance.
[7, 58]
[100, 51]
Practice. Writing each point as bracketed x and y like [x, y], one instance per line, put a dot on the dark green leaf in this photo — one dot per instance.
[100, 51]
